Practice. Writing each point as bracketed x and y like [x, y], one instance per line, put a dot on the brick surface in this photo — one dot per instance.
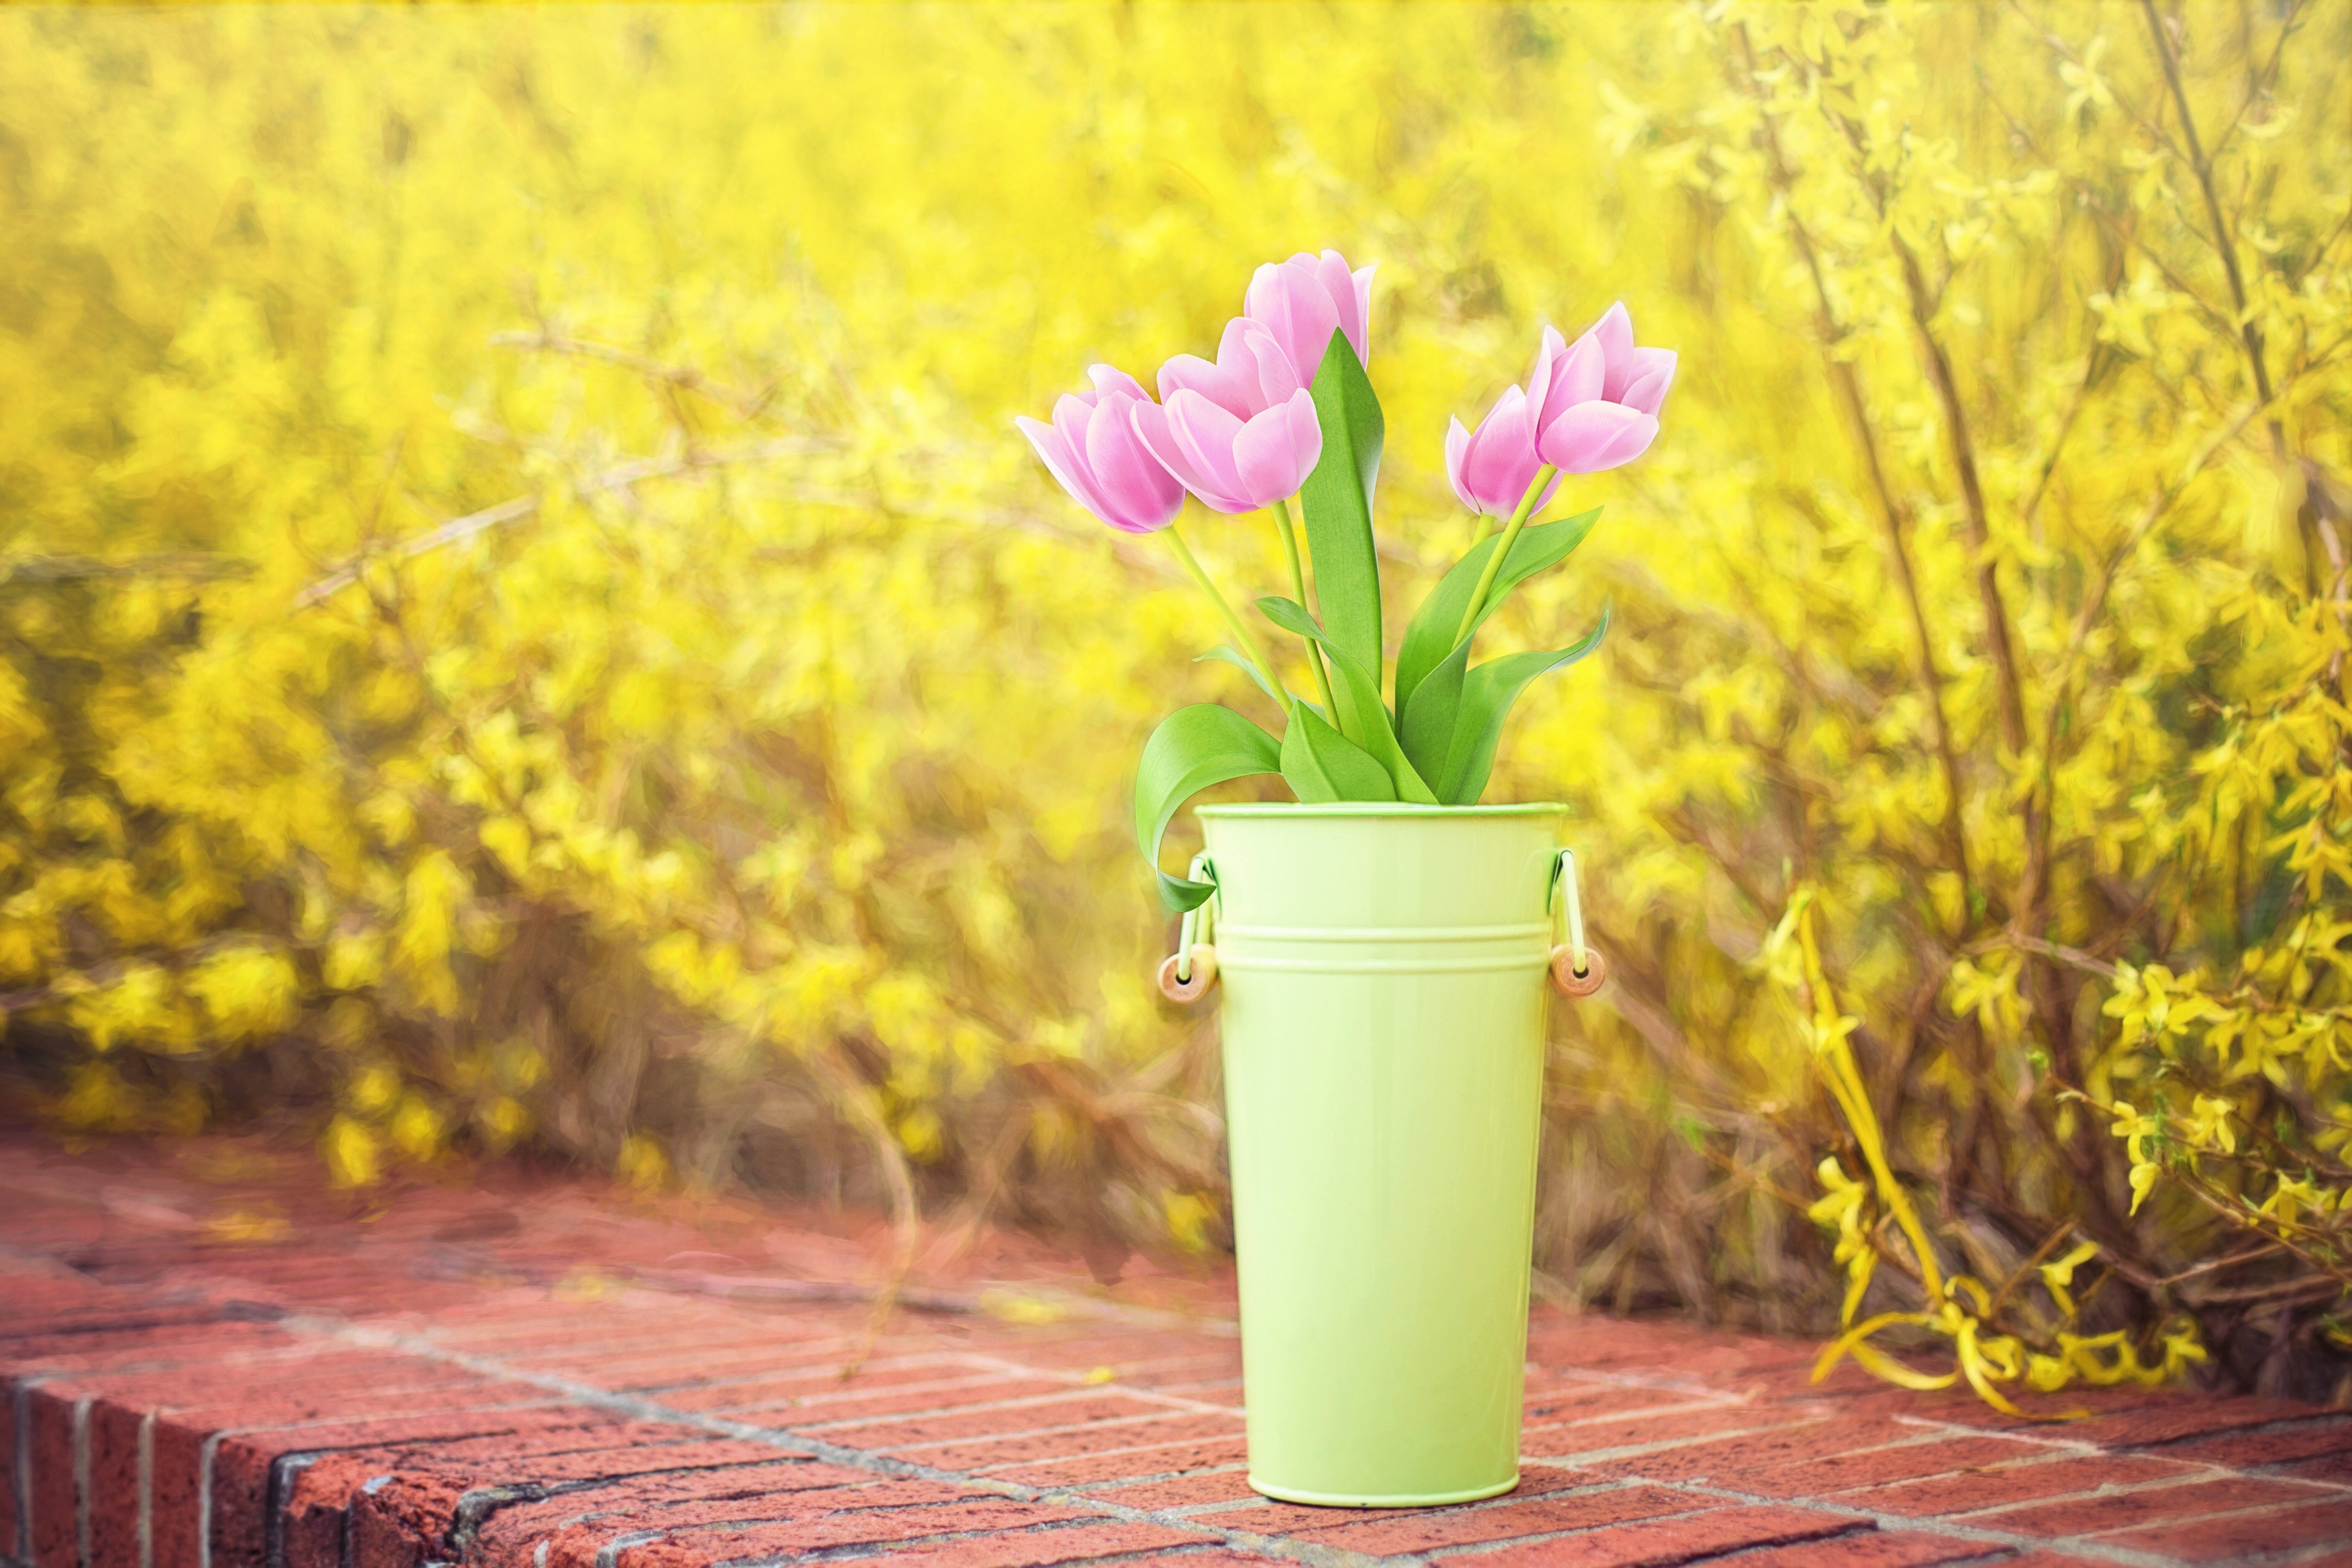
[2264, 1531]
[2147, 1505]
[1919, 1459]
[1684, 1538]
[1422, 1530]
[1183, 1491]
[1873, 1549]
[1974, 1489]
[528, 1372]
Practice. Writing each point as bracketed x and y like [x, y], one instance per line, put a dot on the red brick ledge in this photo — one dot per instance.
[521, 1374]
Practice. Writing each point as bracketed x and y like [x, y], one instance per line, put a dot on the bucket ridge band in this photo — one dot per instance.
[1527, 930]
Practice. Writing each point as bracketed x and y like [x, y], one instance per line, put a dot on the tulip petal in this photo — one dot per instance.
[1501, 459]
[1458, 441]
[1615, 332]
[1258, 361]
[1143, 496]
[1596, 436]
[1111, 378]
[1542, 379]
[1653, 373]
[1290, 303]
[1204, 433]
[1189, 372]
[1274, 453]
[1150, 421]
[1580, 376]
[1339, 286]
[1362, 279]
[1054, 450]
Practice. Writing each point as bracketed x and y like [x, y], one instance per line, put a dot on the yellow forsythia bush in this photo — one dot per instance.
[524, 618]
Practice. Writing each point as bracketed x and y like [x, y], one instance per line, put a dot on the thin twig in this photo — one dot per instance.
[458, 529]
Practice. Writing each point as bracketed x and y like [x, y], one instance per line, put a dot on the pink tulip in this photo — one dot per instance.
[1303, 300]
[1092, 449]
[1235, 464]
[1252, 373]
[1492, 467]
[1596, 401]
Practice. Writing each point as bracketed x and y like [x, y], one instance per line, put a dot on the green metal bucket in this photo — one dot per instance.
[1384, 1019]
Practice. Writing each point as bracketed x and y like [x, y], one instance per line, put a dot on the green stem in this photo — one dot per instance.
[1232, 621]
[1544, 476]
[1298, 591]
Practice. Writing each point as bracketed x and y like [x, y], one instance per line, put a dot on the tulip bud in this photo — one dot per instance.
[1596, 401]
[1091, 447]
[1302, 302]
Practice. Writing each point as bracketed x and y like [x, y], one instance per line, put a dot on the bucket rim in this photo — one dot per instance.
[1376, 809]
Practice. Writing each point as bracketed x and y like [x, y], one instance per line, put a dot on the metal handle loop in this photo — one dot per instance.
[1577, 970]
[1199, 920]
[1563, 873]
[1186, 975]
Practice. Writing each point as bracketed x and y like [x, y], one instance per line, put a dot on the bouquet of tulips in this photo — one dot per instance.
[1286, 413]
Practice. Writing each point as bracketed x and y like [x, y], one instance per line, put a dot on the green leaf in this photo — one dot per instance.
[1429, 638]
[1322, 765]
[1487, 693]
[1249, 668]
[1362, 696]
[1192, 748]
[1428, 728]
[1337, 502]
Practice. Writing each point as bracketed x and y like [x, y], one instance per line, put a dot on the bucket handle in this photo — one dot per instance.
[1186, 975]
[1577, 969]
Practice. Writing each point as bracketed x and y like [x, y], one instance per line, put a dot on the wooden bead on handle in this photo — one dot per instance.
[1205, 974]
[1564, 975]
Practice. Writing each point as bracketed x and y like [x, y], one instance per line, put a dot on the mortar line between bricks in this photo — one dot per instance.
[857, 1551]
[2206, 1475]
[147, 1490]
[81, 1480]
[625, 1362]
[1118, 1423]
[1597, 1489]
[2065, 1448]
[1699, 1508]
[815, 1404]
[2058, 1446]
[1074, 1388]
[861, 1550]
[476, 1507]
[21, 1396]
[1121, 1483]
[2129, 1556]
[1644, 1451]
[652, 1343]
[284, 1472]
[1007, 1366]
[589, 1394]
[1652, 1412]
[1647, 1382]
[1099, 1454]
[2284, 1424]
[2278, 1506]
[816, 1371]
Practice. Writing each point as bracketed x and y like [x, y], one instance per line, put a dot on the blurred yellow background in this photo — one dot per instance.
[524, 620]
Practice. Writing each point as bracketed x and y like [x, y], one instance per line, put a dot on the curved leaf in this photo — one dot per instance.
[1321, 764]
[1337, 500]
[1429, 638]
[1363, 696]
[1487, 693]
[1224, 655]
[1192, 748]
[1427, 730]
